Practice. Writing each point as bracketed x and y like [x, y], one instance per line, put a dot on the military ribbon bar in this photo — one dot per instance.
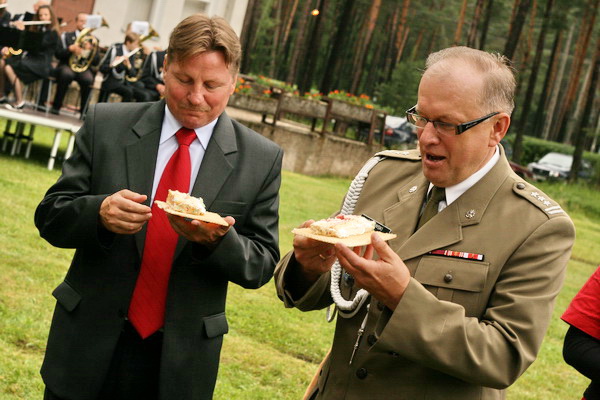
[457, 254]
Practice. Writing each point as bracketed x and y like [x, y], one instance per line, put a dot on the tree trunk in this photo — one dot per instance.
[369, 27]
[574, 117]
[459, 25]
[518, 142]
[305, 83]
[339, 43]
[584, 124]
[551, 116]
[278, 9]
[486, 23]
[550, 73]
[575, 71]
[472, 37]
[402, 34]
[248, 32]
[391, 49]
[299, 44]
[516, 27]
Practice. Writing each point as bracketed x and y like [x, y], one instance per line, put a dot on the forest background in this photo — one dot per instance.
[378, 49]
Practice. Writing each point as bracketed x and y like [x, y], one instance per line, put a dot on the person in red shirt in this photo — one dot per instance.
[581, 348]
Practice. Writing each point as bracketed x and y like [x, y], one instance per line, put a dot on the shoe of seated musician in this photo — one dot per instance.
[3, 99]
[54, 111]
[16, 107]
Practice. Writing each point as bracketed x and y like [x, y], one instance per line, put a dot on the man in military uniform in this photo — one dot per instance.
[461, 299]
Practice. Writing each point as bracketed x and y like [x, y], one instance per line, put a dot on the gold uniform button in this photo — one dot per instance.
[448, 278]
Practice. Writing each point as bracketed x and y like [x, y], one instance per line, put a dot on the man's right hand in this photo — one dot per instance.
[123, 213]
[315, 257]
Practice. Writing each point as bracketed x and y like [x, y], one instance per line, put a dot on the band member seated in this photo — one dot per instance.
[69, 46]
[151, 86]
[4, 14]
[36, 63]
[115, 65]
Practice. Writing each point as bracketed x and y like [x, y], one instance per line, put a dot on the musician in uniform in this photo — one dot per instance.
[64, 74]
[32, 65]
[4, 14]
[151, 86]
[116, 64]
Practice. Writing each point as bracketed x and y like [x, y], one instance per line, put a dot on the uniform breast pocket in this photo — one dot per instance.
[459, 281]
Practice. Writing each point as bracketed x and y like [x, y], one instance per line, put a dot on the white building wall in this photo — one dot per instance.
[163, 15]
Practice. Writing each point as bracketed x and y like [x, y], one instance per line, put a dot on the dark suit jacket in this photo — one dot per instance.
[116, 149]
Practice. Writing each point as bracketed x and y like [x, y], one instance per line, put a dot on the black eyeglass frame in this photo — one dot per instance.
[460, 128]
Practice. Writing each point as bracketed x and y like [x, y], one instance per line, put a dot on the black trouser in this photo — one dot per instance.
[64, 76]
[134, 369]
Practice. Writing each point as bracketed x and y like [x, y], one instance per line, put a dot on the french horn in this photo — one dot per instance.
[89, 45]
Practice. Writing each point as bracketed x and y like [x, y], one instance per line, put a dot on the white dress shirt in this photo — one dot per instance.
[168, 145]
[454, 192]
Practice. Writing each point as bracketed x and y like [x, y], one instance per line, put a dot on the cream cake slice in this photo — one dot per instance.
[343, 226]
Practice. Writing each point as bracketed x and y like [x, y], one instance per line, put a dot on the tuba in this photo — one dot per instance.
[140, 56]
[89, 44]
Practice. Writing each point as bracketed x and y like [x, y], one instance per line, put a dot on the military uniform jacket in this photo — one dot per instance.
[62, 51]
[115, 76]
[464, 328]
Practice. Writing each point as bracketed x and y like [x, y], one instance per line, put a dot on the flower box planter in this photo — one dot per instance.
[304, 107]
[351, 112]
[262, 105]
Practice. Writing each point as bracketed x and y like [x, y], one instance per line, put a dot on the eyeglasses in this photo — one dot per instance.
[443, 128]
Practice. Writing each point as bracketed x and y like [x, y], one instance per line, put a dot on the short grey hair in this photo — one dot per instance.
[498, 74]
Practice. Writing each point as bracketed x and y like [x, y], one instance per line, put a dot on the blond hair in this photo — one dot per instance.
[498, 75]
[199, 34]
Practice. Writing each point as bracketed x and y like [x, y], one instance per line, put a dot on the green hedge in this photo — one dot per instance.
[535, 148]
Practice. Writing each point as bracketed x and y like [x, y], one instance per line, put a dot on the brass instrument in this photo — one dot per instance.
[89, 46]
[140, 56]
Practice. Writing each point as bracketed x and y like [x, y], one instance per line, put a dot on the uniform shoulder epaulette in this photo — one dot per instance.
[537, 198]
[413, 154]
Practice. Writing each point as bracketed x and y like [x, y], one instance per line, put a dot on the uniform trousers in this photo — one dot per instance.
[134, 370]
[64, 76]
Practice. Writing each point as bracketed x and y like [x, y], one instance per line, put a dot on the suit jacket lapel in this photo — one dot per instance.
[141, 155]
[217, 164]
[218, 161]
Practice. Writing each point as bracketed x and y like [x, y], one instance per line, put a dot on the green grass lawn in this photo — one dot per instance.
[271, 352]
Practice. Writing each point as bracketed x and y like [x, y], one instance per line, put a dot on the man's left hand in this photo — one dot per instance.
[386, 278]
[204, 233]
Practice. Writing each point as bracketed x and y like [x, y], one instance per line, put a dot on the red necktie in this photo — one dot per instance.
[147, 308]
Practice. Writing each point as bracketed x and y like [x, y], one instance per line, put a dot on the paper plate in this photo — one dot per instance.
[350, 241]
[206, 217]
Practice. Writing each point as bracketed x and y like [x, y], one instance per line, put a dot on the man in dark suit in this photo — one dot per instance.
[104, 343]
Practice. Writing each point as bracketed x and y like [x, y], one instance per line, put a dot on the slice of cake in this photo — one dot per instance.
[343, 226]
[185, 203]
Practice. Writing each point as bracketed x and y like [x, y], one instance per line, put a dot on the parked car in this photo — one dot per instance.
[398, 131]
[557, 166]
[520, 170]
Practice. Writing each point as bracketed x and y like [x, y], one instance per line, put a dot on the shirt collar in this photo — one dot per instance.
[454, 192]
[170, 127]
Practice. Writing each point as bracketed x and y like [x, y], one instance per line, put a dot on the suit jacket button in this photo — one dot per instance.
[361, 373]
[394, 354]
[371, 339]
[448, 278]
